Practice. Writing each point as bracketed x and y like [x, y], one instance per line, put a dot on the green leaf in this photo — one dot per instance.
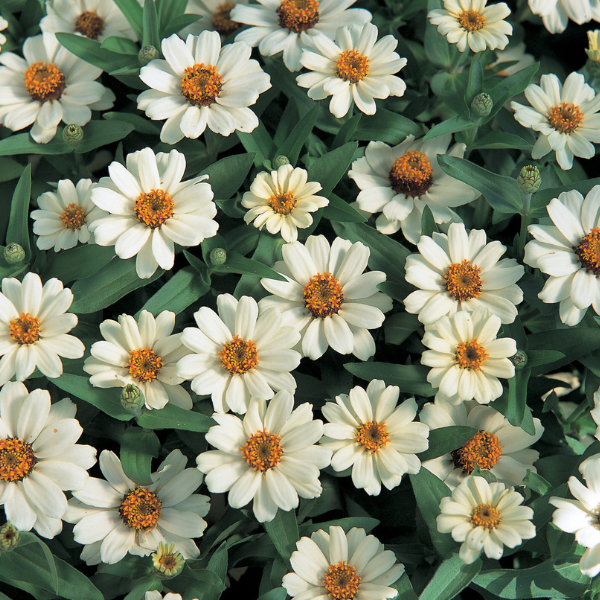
[283, 531]
[18, 231]
[295, 141]
[385, 126]
[150, 35]
[140, 124]
[138, 448]
[218, 564]
[275, 594]
[404, 587]
[258, 142]
[540, 200]
[452, 576]
[451, 89]
[446, 439]
[174, 417]
[331, 167]
[26, 538]
[92, 52]
[517, 398]
[22, 143]
[428, 225]
[100, 133]
[398, 326]
[500, 140]
[133, 13]
[236, 263]
[178, 23]
[79, 263]
[475, 83]
[340, 210]
[227, 175]
[437, 48]
[10, 169]
[537, 358]
[537, 483]
[266, 253]
[412, 379]
[120, 45]
[346, 132]
[452, 125]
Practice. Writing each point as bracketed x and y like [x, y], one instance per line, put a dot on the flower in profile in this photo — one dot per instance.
[402, 180]
[569, 251]
[353, 68]
[466, 358]
[514, 53]
[151, 209]
[143, 352]
[39, 458]
[485, 517]
[565, 116]
[472, 23]
[459, 272]
[199, 84]
[282, 201]
[270, 457]
[116, 516]
[242, 352]
[64, 215]
[366, 431]
[342, 565]
[215, 16]
[3, 26]
[33, 328]
[47, 86]
[556, 13]
[291, 25]
[327, 297]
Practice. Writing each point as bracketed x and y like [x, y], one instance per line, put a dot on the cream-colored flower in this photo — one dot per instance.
[514, 53]
[3, 26]
[215, 15]
[556, 13]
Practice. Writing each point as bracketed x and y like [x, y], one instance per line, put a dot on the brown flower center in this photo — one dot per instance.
[239, 356]
[411, 174]
[486, 516]
[16, 459]
[144, 364]
[341, 581]
[283, 204]
[298, 15]
[463, 281]
[372, 436]
[44, 81]
[470, 355]
[222, 20]
[73, 217]
[25, 329]
[352, 66]
[323, 295]
[140, 509]
[262, 451]
[588, 251]
[89, 24]
[483, 448]
[167, 561]
[565, 117]
[201, 84]
[154, 208]
[471, 20]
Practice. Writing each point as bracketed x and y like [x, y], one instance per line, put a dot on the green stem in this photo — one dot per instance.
[524, 223]
[458, 61]
[471, 135]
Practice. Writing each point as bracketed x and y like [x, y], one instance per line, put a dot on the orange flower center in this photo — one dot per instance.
[283, 204]
[44, 81]
[154, 208]
[323, 295]
[341, 581]
[588, 251]
[470, 355]
[201, 84]
[262, 451]
[25, 329]
[144, 364]
[352, 66]
[411, 174]
[89, 24]
[372, 436]
[222, 20]
[73, 217]
[140, 509]
[486, 516]
[239, 356]
[463, 281]
[483, 448]
[298, 15]
[471, 20]
[16, 459]
[565, 117]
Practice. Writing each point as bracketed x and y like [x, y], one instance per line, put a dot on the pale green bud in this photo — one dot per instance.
[167, 562]
[529, 179]
[14, 254]
[73, 134]
[519, 360]
[218, 256]
[482, 105]
[9, 537]
[593, 51]
[279, 161]
[132, 398]
[146, 54]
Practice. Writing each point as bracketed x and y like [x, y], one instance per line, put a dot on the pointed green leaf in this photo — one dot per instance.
[92, 52]
[451, 577]
[138, 448]
[294, 143]
[446, 439]
[133, 13]
[18, 231]
[174, 417]
[283, 531]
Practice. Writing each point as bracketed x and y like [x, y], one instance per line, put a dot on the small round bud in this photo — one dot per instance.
[146, 54]
[14, 254]
[482, 105]
[73, 134]
[9, 537]
[519, 359]
[166, 561]
[132, 399]
[529, 179]
[218, 256]
[279, 161]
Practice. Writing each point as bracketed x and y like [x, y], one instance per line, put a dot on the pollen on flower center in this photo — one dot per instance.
[471, 20]
[588, 251]
[25, 329]
[352, 66]
[222, 21]
[486, 516]
[44, 81]
[73, 217]
[341, 581]
[239, 356]
[140, 509]
[262, 451]
[411, 174]
[323, 295]
[565, 117]
[298, 15]
[154, 208]
[89, 24]
[483, 448]
[463, 281]
[283, 204]
[470, 355]
[372, 436]
[201, 84]
[16, 459]
[144, 364]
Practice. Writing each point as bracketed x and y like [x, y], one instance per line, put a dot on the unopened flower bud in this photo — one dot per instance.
[482, 105]
[519, 360]
[14, 254]
[218, 256]
[529, 179]
[132, 399]
[146, 54]
[73, 134]
[593, 51]
[9, 537]
[279, 161]
[167, 562]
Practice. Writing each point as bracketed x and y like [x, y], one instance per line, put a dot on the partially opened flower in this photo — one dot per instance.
[3, 26]
[556, 13]
[215, 15]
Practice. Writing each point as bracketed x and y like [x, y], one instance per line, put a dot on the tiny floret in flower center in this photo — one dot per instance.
[486, 516]
[239, 356]
[298, 15]
[411, 174]
[471, 20]
[222, 19]
[341, 581]
[323, 295]
[262, 451]
[470, 355]
[283, 204]
[144, 364]
[483, 448]
[565, 117]
[140, 509]
[372, 436]
[44, 81]
[201, 84]
[352, 66]
[89, 24]
[25, 329]
[73, 217]
[154, 208]
[463, 281]
[588, 251]
[16, 459]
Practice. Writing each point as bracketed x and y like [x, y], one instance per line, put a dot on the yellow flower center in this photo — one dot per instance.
[463, 281]
[140, 509]
[471, 20]
[154, 208]
[588, 251]
[144, 364]
[411, 174]
[73, 217]
[565, 117]
[283, 204]
[201, 84]
[89, 24]
[352, 66]
[470, 355]
[372, 436]
[16, 459]
[486, 516]
[222, 20]
[298, 15]
[44, 81]
[483, 448]
[341, 581]
[262, 451]
[323, 295]
[239, 356]
[25, 329]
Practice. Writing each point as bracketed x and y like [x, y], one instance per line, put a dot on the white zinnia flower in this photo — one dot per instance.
[64, 215]
[327, 297]
[356, 67]
[33, 328]
[151, 209]
[47, 86]
[513, 53]
[402, 180]
[282, 201]
[497, 446]
[242, 352]
[117, 516]
[291, 25]
[472, 23]
[460, 272]
[352, 566]
[367, 432]
[269, 457]
[556, 13]
[215, 16]
[569, 252]
[466, 357]
[3, 26]
[39, 458]
[565, 116]
[144, 353]
[485, 517]
[200, 85]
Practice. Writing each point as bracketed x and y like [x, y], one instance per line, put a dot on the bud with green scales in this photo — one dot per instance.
[482, 105]
[146, 54]
[14, 254]
[132, 399]
[9, 537]
[529, 179]
[73, 135]
[218, 256]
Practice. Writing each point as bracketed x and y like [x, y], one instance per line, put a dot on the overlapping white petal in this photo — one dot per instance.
[556, 13]
[215, 15]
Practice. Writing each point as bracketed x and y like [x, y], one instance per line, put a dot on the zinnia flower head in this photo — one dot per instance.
[215, 16]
